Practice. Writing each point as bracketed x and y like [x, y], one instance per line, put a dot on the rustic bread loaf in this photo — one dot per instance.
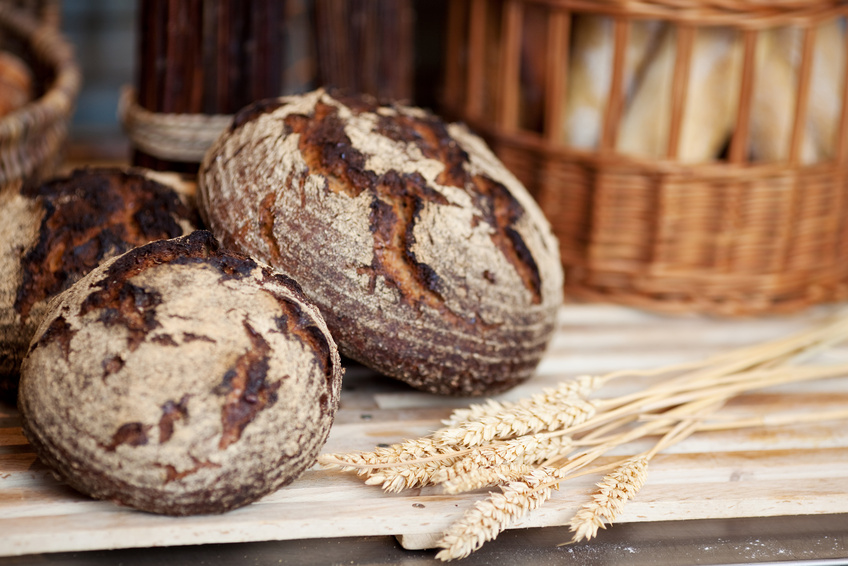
[179, 378]
[54, 233]
[429, 261]
[16, 83]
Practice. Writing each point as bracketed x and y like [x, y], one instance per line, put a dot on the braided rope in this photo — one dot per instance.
[174, 137]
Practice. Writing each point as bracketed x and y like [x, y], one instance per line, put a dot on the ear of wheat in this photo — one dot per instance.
[529, 447]
[614, 490]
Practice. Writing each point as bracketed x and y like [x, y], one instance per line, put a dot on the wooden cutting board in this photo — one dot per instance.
[745, 473]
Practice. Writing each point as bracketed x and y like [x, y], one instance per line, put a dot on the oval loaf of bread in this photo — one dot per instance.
[180, 379]
[53, 233]
[429, 260]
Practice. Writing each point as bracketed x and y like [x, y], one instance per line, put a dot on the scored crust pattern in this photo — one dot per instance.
[429, 261]
[180, 378]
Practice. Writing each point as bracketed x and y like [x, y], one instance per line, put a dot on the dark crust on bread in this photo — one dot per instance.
[397, 197]
[254, 110]
[122, 303]
[245, 389]
[88, 216]
[116, 300]
[91, 215]
[172, 411]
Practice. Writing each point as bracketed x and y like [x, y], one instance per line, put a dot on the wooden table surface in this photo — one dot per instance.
[776, 472]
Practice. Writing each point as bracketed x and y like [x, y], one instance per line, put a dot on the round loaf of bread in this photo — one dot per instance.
[16, 83]
[180, 378]
[430, 261]
[53, 233]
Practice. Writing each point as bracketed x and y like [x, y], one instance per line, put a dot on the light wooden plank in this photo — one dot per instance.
[740, 473]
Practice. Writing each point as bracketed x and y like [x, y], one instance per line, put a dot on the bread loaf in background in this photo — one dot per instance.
[16, 83]
[713, 91]
[590, 72]
[53, 233]
[429, 261]
[180, 378]
[776, 88]
[712, 98]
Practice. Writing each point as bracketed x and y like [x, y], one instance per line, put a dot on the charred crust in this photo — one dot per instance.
[266, 225]
[254, 110]
[295, 321]
[285, 281]
[164, 340]
[89, 216]
[245, 389]
[197, 245]
[501, 211]
[395, 210]
[396, 202]
[127, 305]
[525, 264]
[329, 151]
[120, 302]
[231, 266]
[172, 411]
[171, 473]
[500, 208]
[191, 337]
[431, 137]
[131, 434]
[358, 103]
[425, 275]
[112, 365]
[60, 332]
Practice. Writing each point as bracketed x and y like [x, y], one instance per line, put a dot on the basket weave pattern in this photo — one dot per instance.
[32, 137]
[727, 236]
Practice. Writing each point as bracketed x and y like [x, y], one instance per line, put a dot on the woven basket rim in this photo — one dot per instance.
[743, 14]
[57, 102]
[634, 164]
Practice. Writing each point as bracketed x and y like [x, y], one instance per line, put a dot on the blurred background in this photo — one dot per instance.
[106, 36]
[690, 157]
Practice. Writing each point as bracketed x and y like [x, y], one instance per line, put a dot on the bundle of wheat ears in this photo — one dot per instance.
[529, 447]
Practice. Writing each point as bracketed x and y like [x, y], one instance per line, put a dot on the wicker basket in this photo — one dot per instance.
[729, 235]
[32, 137]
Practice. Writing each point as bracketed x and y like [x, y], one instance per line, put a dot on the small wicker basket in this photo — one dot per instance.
[734, 234]
[32, 137]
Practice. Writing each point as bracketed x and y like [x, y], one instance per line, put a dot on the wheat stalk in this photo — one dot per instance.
[489, 517]
[470, 472]
[613, 491]
[625, 481]
[552, 409]
[480, 477]
[579, 388]
[528, 447]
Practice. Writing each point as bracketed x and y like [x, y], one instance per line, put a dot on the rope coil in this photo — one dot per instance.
[174, 137]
